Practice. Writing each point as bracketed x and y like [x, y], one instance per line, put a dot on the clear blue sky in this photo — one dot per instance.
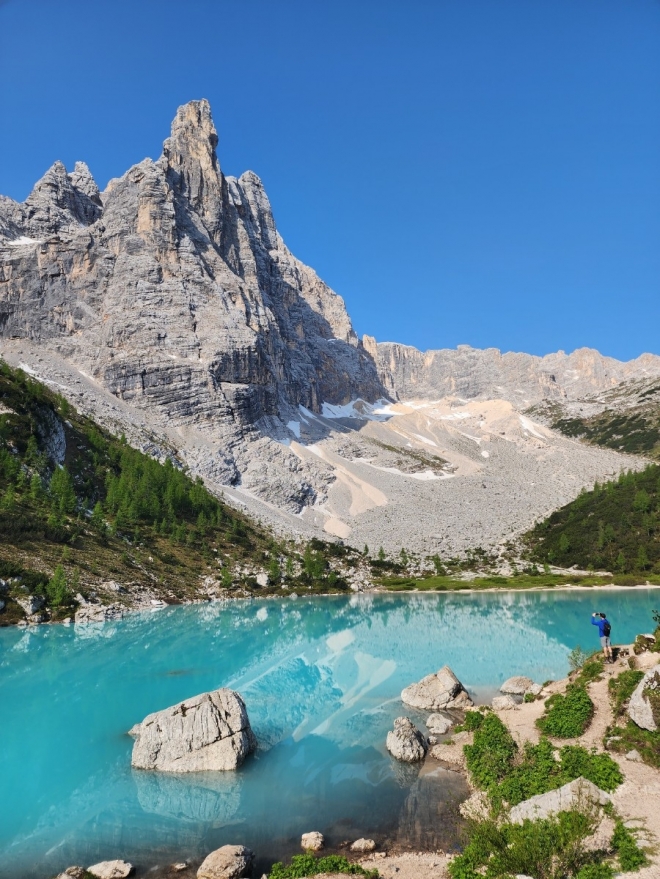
[461, 171]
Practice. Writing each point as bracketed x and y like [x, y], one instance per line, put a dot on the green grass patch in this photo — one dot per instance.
[310, 865]
[631, 856]
[629, 737]
[622, 687]
[567, 716]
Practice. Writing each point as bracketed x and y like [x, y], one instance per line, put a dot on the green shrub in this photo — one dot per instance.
[631, 856]
[596, 871]
[577, 658]
[597, 768]
[590, 671]
[551, 848]
[309, 865]
[489, 758]
[568, 716]
[622, 687]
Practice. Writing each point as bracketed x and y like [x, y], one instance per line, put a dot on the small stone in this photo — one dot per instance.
[363, 845]
[111, 869]
[438, 724]
[312, 841]
[72, 873]
[227, 862]
[179, 867]
[504, 703]
[634, 755]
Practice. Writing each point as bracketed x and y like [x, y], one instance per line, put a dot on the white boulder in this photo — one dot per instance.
[405, 741]
[313, 841]
[575, 794]
[438, 724]
[363, 845]
[206, 732]
[111, 869]
[31, 604]
[436, 691]
[504, 703]
[640, 708]
[518, 686]
[227, 862]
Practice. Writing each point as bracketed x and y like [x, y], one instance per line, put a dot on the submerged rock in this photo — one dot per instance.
[406, 742]
[228, 862]
[312, 841]
[640, 708]
[575, 794]
[111, 869]
[363, 845]
[440, 690]
[206, 732]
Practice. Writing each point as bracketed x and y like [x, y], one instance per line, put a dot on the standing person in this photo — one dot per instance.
[604, 629]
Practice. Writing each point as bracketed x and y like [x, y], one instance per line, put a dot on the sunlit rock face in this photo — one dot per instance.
[174, 290]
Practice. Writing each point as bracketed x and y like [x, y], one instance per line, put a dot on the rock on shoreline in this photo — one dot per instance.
[206, 732]
[440, 690]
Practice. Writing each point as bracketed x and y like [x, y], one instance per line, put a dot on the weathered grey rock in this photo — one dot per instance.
[575, 794]
[406, 742]
[504, 703]
[312, 841]
[535, 689]
[517, 686]
[440, 690]
[227, 862]
[73, 873]
[111, 869]
[175, 290]
[469, 372]
[601, 839]
[634, 755]
[640, 707]
[31, 604]
[363, 845]
[206, 732]
[98, 613]
[438, 724]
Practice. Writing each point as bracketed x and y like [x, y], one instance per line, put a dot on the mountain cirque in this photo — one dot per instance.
[169, 308]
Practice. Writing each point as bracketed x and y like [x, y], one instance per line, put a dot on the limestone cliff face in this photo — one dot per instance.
[522, 379]
[175, 288]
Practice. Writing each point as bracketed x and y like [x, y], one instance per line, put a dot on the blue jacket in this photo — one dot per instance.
[597, 621]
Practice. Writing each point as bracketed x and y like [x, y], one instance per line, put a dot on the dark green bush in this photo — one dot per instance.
[568, 716]
[490, 757]
[600, 769]
[310, 865]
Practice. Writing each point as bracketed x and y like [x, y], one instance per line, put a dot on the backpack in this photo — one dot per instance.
[606, 629]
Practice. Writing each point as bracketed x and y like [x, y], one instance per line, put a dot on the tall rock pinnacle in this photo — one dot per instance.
[194, 170]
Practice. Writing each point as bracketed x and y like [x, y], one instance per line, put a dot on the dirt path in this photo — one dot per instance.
[638, 798]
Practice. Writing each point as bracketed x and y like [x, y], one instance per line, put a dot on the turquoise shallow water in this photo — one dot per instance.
[321, 678]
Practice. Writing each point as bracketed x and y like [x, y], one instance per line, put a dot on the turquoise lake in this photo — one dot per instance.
[321, 678]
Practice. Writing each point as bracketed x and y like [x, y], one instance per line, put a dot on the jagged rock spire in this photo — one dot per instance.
[194, 170]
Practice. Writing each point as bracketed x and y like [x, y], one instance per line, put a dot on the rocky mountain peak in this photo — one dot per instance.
[193, 166]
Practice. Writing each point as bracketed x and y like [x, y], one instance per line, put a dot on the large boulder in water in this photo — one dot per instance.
[205, 733]
[641, 705]
[440, 690]
[406, 742]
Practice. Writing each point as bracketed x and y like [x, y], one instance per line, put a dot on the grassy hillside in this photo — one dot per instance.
[79, 508]
[615, 527]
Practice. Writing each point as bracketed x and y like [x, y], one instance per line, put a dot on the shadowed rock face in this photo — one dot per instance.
[174, 289]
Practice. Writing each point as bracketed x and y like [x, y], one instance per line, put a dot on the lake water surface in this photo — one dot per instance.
[321, 678]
